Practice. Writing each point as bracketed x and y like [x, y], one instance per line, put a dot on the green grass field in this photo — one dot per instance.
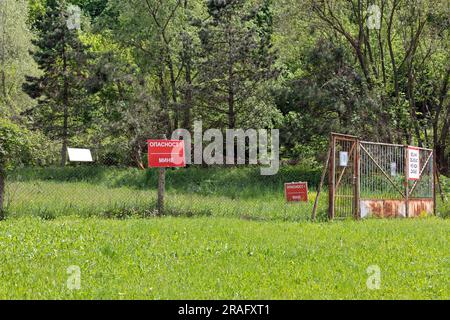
[219, 258]
[228, 234]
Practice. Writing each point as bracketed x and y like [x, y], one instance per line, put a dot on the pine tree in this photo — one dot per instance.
[62, 110]
[237, 55]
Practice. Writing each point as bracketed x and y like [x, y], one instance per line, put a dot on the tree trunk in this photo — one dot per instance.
[173, 85]
[231, 111]
[2, 56]
[412, 103]
[188, 94]
[65, 134]
[164, 101]
[65, 112]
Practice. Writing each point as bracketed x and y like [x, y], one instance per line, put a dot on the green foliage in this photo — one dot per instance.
[64, 108]
[15, 146]
[236, 58]
[15, 61]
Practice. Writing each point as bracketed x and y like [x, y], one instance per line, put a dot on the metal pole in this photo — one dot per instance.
[406, 181]
[322, 179]
[434, 182]
[331, 179]
[357, 180]
[161, 187]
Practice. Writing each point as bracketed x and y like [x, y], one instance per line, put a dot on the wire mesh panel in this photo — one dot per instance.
[344, 176]
[379, 179]
[423, 188]
[382, 171]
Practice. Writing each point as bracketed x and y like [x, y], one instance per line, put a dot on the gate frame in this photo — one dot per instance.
[331, 177]
[356, 212]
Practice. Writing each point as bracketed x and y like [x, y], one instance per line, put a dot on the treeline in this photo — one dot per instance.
[108, 74]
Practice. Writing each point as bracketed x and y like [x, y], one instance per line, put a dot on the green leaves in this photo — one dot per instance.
[15, 146]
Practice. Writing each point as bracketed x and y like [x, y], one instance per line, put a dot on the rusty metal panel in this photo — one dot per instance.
[383, 208]
[395, 208]
[421, 207]
[370, 208]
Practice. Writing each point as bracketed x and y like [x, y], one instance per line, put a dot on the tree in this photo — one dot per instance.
[401, 59]
[15, 61]
[237, 57]
[330, 96]
[127, 114]
[63, 108]
[14, 150]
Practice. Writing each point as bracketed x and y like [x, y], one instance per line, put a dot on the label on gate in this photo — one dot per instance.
[166, 154]
[393, 169]
[413, 163]
[343, 159]
[296, 191]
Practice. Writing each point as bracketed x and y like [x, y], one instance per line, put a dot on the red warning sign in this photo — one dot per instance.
[296, 191]
[166, 153]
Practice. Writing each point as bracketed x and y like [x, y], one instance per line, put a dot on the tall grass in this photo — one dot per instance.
[115, 192]
[120, 193]
[232, 181]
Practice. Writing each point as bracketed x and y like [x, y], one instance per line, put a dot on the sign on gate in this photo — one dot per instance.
[166, 153]
[413, 163]
[343, 159]
[296, 192]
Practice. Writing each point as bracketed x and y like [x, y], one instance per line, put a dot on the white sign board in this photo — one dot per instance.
[393, 169]
[343, 159]
[413, 163]
[79, 155]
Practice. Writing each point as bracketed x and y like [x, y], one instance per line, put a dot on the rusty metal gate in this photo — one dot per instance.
[371, 179]
[343, 176]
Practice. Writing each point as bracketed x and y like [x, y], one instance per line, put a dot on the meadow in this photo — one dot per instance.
[227, 234]
[222, 258]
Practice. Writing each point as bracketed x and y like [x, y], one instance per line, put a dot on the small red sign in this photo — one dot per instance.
[166, 153]
[296, 191]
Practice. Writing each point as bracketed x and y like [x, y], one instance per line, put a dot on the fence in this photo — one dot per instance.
[119, 192]
[373, 179]
[365, 178]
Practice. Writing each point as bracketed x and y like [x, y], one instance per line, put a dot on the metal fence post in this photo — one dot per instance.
[434, 173]
[406, 181]
[357, 179]
[331, 178]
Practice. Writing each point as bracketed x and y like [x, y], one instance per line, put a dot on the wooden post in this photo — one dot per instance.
[161, 187]
[406, 181]
[331, 178]
[322, 179]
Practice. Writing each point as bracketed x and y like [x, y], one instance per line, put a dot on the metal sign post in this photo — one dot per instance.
[164, 154]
